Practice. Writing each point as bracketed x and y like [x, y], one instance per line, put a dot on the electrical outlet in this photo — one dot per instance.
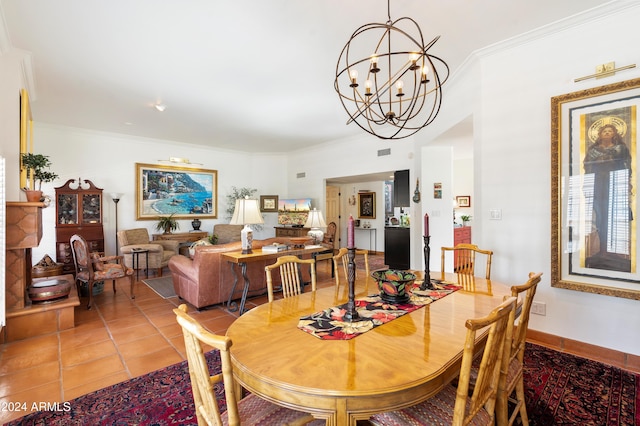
[539, 308]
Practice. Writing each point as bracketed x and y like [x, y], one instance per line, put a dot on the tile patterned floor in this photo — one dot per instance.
[116, 340]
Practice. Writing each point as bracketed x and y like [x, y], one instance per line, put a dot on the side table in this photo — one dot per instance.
[135, 259]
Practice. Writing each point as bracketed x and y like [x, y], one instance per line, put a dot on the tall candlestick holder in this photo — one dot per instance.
[426, 284]
[351, 313]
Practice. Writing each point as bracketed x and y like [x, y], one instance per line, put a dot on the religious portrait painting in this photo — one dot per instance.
[594, 192]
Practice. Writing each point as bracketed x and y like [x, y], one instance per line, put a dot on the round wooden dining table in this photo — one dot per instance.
[394, 365]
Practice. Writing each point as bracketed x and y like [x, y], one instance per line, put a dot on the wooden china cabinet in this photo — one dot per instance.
[78, 211]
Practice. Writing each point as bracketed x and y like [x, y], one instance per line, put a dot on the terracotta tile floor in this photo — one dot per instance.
[116, 340]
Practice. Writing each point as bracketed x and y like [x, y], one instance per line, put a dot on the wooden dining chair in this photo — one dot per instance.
[453, 406]
[342, 258]
[92, 268]
[290, 276]
[511, 374]
[251, 410]
[464, 259]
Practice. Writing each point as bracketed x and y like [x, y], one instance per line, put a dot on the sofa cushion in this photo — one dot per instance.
[135, 236]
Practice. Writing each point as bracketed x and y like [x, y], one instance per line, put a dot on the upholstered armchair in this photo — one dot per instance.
[329, 239]
[159, 251]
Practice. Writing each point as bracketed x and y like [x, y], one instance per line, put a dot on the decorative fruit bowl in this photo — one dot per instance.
[299, 242]
[393, 284]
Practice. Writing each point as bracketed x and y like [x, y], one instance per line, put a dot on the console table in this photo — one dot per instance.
[182, 237]
[237, 258]
[291, 231]
[373, 237]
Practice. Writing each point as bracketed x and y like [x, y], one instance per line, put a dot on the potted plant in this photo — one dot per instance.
[465, 219]
[167, 224]
[37, 166]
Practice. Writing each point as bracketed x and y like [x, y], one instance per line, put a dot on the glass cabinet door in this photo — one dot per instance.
[91, 206]
[67, 209]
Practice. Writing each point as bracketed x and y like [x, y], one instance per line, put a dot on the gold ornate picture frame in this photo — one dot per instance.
[185, 192]
[26, 133]
[367, 205]
[594, 182]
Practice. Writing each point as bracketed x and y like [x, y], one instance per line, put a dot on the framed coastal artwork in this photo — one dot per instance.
[185, 192]
[594, 191]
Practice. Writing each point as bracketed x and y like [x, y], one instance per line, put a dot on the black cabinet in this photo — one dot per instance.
[397, 245]
[401, 189]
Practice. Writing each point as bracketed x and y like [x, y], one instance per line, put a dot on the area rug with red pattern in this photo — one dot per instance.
[561, 389]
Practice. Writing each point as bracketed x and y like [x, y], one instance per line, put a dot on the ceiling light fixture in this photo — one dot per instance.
[402, 88]
[160, 107]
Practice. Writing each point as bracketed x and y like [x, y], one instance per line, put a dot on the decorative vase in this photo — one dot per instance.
[196, 224]
[393, 284]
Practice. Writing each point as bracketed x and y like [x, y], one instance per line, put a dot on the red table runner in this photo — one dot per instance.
[373, 312]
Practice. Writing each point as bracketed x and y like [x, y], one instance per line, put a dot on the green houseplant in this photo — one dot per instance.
[167, 224]
[37, 167]
[465, 219]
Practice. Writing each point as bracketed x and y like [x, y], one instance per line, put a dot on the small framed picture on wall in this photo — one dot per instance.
[367, 205]
[268, 203]
[463, 200]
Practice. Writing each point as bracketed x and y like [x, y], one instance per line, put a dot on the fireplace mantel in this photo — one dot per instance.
[23, 232]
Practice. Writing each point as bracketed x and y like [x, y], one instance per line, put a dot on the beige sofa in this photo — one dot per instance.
[159, 251]
[207, 279]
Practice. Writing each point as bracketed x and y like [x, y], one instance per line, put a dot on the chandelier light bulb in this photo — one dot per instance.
[354, 78]
[414, 58]
[399, 86]
[425, 71]
[367, 87]
[374, 64]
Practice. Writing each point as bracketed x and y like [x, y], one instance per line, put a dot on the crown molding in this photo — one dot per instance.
[598, 12]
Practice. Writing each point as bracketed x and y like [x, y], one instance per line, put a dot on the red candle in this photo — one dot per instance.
[351, 233]
[426, 225]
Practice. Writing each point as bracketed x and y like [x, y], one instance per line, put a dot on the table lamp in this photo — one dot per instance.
[315, 221]
[246, 213]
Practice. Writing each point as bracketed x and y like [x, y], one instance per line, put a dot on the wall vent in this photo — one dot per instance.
[383, 152]
[301, 175]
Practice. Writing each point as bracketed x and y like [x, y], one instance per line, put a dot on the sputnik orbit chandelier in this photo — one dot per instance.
[402, 91]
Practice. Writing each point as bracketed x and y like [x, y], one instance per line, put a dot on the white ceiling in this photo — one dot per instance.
[254, 75]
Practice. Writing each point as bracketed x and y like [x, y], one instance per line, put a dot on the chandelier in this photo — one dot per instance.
[396, 88]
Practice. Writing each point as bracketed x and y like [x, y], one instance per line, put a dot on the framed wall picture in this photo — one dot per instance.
[269, 203]
[463, 200]
[367, 205]
[185, 192]
[594, 200]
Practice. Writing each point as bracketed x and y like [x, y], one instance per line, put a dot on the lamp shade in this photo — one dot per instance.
[247, 212]
[315, 221]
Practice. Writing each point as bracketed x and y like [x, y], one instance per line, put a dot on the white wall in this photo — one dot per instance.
[513, 172]
[10, 84]
[108, 160]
